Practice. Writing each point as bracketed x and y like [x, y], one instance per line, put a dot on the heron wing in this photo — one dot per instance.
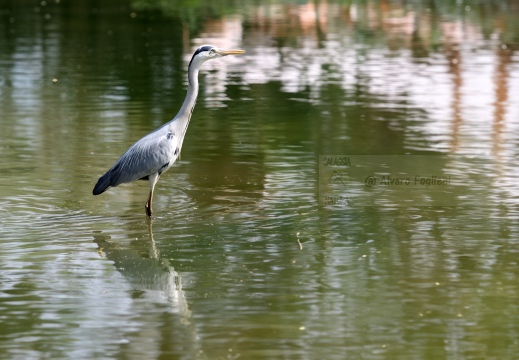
[147, 156]
[153, 153]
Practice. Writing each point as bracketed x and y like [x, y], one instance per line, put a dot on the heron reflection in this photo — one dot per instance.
[152, 279]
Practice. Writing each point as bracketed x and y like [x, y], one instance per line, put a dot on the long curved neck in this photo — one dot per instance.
[185, 112]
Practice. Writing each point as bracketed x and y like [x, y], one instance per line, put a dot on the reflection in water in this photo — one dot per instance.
[502, 74]
[156, 298]
[151, 277]
[454, 63]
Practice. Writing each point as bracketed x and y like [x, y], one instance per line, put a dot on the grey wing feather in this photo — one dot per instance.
[147, 156]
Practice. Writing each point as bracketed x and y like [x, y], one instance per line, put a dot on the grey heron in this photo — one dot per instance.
[154, 153]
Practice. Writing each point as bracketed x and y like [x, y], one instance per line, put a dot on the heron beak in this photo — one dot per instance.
[231, 52]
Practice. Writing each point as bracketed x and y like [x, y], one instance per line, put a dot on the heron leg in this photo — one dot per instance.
[153, 180]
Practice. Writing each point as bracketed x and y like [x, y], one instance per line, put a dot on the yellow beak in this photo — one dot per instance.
[231, 52]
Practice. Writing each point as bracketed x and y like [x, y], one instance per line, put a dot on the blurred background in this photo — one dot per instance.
[242, 259]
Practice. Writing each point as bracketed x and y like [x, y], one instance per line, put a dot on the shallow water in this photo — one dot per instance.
[246, 257]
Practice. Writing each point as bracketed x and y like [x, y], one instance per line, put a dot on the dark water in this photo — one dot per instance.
[260, 248]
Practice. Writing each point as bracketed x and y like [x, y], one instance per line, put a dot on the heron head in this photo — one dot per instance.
[208, 52]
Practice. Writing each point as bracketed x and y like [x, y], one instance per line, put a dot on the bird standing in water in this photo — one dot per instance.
[156, 152]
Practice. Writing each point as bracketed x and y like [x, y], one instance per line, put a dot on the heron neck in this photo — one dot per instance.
[185, 112]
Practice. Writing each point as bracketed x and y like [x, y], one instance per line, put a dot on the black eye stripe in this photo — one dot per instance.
[202, 48]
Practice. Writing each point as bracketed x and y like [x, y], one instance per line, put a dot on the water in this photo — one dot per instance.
[243, 258]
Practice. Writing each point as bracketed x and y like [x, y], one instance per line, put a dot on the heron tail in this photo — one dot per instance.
[102, 184]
